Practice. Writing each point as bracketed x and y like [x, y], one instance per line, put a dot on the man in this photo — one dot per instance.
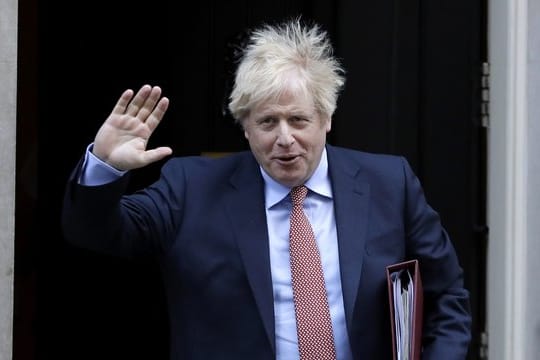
[225, 235]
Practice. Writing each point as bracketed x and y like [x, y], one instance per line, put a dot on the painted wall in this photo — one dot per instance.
[532, 324]
[8, 91]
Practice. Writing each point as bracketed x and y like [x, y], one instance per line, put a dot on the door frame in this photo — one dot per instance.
[507, 278]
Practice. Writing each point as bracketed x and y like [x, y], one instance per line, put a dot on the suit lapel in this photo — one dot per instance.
[351, 200]
[245, 202]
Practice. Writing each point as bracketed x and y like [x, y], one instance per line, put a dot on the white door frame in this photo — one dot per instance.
[507, 180]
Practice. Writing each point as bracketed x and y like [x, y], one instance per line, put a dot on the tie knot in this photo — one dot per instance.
[298, 194]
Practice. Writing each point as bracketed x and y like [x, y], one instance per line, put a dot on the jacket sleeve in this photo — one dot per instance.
[105, 219]
[447, 318]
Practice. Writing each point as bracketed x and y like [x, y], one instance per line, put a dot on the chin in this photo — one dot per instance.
[291, 182]
[288, 177]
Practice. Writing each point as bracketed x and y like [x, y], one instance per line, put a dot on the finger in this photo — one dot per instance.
[149, 103]
[157, 114]
[138, 101]
[157, 154]
[122, 102]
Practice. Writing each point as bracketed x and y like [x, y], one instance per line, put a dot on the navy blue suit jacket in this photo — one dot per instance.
[205, 221]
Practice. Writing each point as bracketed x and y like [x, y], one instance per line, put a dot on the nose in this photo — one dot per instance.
[284, 134]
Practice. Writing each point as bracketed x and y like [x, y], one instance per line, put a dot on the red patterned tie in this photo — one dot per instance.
[313, 324]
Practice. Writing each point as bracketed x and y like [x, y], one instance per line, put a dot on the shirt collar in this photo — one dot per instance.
[319, 183]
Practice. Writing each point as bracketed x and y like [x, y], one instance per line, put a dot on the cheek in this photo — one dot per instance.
[262, 142]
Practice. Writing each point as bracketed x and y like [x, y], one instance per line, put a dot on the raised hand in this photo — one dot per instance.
[122, 139]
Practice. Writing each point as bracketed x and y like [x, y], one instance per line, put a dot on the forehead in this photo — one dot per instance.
[290, 99]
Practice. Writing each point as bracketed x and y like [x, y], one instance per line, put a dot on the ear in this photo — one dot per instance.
[242, 124]
[328, 124]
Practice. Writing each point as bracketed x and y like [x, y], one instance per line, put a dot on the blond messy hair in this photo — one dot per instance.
[273, 55]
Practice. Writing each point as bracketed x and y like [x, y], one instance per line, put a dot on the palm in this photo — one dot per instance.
[122, 139]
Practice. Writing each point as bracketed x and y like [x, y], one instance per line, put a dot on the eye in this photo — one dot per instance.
[298, 120]
[267, 122]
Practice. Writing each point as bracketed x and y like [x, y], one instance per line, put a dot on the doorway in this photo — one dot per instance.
[413, 88]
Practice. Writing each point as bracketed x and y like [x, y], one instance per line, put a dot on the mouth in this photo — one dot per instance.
[286, 159]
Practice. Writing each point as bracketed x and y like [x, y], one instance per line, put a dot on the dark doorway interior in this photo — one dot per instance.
[413, 89]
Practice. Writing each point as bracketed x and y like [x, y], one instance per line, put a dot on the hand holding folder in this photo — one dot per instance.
[405, 296]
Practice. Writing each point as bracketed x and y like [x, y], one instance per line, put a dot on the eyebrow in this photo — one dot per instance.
[294, 112]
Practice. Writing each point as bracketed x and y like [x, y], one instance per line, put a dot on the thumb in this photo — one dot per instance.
[157, 154]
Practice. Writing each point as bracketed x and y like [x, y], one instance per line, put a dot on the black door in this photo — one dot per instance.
[413, 88]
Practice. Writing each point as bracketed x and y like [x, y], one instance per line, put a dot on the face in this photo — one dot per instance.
[287, 137]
